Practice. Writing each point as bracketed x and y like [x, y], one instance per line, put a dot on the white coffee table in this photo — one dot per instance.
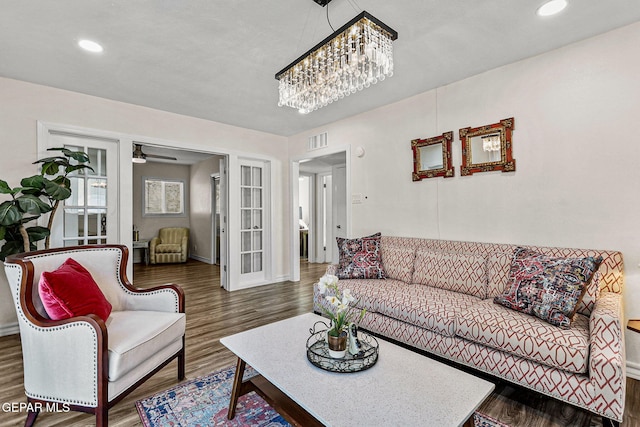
[403, 388]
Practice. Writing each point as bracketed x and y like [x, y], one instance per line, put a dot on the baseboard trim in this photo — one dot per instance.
[10, 329]
[201, 259]
[633, 370]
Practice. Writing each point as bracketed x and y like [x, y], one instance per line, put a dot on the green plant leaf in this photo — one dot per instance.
[36, 181]
[9, 213]
[4, 187]
[2, 232]
[50, 160]
[32, 204]
[62, 180]
[27, 219]
[37, 233]
[56, 191]
[11, 247]
[77, 167]
[51, 168]
[76, 155]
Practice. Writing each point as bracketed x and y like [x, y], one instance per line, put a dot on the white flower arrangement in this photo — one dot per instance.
[340, 316]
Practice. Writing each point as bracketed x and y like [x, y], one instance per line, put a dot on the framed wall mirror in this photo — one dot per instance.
[432, 157]
[487, 148]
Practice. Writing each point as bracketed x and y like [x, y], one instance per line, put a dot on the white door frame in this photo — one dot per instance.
[294, 173]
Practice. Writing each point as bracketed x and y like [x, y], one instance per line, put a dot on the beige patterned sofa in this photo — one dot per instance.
[438, 297]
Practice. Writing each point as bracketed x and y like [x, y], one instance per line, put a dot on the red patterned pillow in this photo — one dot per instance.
[547, 287]
[70, 291]
[360, 258]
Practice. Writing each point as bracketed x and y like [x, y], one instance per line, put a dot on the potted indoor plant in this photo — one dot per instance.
[339, 313]
[35, 196]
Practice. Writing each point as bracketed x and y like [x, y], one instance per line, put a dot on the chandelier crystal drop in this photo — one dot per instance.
[354, 57]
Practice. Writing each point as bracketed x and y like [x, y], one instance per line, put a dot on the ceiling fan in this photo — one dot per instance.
[139, 157]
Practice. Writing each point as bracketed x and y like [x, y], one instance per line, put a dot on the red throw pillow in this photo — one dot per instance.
[70, 291]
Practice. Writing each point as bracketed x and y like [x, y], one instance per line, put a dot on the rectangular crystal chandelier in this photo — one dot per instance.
[357, 55]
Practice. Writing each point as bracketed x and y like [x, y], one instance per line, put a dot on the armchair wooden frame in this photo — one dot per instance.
[35, 319]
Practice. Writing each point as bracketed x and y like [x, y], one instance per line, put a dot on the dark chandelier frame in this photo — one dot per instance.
[364, 14]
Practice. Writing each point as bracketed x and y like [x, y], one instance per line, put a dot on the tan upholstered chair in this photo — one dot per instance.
[171, 245]
[83, 361]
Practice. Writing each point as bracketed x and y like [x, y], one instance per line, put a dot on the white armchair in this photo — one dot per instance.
[83, 361]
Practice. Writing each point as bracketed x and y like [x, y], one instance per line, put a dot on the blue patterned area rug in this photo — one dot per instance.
[204, 402]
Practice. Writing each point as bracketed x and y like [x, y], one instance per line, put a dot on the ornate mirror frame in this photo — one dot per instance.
[446, 170]
[505, 163]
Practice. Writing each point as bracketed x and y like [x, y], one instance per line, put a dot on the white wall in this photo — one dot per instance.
[577, 180]
[23, 104]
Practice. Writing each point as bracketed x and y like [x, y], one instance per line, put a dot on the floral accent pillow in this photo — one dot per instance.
[360, 258]
[547, 287]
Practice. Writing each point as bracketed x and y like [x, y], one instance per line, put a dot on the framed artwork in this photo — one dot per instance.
[487, 148]
[163, 197]
[432, 157]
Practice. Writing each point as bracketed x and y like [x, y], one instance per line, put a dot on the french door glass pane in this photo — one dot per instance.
[73, 222]
[245, 175]
[257, 198]
[68, 243]
[257, 261]
[257, 177]
[245, 263]
[246, 241]
[77, 192]
[257, 240]
[257, 218]
[246, 219]
[98, 161]
[97, 191]
[97, 222]
[246, 198]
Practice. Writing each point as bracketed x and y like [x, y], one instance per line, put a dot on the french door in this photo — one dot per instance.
[253, 219]
[90, 215]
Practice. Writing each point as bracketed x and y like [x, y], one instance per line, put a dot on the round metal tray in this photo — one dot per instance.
[318, 352]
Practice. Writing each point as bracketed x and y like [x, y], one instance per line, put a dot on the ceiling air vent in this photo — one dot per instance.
[318, 141]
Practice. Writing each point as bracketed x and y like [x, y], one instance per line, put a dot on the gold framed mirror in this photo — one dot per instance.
[432, 157]
[487, 148]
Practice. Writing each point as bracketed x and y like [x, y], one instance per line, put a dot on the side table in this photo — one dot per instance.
[144, 245]
[634, 325]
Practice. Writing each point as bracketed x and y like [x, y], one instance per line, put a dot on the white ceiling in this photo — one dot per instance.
[217, 59]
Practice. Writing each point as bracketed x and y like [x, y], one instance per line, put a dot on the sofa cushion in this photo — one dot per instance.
[70, 291]
[499, 266]
[168, 248]
[527, 336]
[547, 287]
[398, 262]
[135, 336]
[430, 308]
[360, 258]
[460, 272]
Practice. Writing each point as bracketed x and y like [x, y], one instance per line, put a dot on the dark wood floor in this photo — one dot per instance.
[213, 313]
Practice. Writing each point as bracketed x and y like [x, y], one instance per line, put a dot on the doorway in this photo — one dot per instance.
[202, 174]
[326, 203]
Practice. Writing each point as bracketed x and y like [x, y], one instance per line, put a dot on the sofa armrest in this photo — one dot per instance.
[607, 360]
[184, 249]
[152, 249]
[61, 358]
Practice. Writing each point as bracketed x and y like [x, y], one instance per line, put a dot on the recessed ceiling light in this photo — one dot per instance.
[551, 7]
[90, 46]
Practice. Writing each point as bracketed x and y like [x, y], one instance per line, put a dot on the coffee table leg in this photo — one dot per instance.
[237, 388]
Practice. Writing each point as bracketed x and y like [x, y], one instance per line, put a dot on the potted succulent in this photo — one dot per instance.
[35, 196]
[339, 314]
